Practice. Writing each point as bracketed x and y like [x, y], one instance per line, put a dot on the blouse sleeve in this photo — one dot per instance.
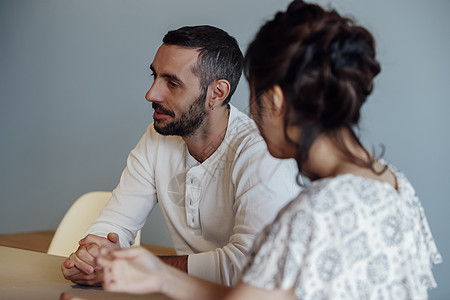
[278, 256]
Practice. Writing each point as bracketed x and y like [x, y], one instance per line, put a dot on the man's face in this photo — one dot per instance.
[176, 96]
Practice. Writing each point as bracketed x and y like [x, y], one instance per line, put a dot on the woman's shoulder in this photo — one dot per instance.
[328, 198]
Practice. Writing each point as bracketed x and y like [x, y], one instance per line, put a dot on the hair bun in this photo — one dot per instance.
[323, 62]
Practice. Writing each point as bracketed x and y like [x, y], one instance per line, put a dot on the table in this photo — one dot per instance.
[26, 274]
[40, 240]
[34, 240]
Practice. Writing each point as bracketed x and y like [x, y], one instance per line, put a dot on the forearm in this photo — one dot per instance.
[179, 262]
[181, 286]
[132, 199]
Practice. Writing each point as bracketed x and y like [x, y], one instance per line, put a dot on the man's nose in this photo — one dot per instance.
[154, 93]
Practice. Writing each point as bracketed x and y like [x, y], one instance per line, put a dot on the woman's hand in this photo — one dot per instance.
[137, 271]
[133, 270]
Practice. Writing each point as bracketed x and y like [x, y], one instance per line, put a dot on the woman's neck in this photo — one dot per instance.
[327, 159]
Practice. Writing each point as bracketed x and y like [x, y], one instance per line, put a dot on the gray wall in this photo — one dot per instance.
[73, 75]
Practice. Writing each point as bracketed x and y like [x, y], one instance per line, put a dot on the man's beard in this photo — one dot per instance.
[189, 121]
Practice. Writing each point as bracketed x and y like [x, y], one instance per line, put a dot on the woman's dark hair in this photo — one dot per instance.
[219, 58]
[324, 64]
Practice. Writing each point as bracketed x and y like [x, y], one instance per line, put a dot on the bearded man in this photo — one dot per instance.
[202, 160]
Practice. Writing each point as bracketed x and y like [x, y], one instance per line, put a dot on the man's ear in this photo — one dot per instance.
[219, 91]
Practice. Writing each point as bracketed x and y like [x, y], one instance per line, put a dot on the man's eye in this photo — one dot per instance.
[172, 84]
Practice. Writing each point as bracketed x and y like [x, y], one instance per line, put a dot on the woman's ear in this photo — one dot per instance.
[277, 100]
[220, 89]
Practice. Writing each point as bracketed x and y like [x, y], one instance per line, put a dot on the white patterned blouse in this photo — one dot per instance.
[348, 237]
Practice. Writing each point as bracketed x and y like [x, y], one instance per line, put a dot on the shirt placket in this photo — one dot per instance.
[192, 200]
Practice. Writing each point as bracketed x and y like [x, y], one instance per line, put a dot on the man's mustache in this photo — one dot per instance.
[161, 109]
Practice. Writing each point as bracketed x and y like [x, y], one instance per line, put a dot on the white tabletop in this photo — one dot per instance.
[33, 275]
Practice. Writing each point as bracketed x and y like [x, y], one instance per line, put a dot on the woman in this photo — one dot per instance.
[357, 231]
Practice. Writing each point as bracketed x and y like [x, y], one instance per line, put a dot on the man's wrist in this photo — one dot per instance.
[179, 262]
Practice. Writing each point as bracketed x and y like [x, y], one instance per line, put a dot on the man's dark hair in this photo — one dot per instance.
[219, 57]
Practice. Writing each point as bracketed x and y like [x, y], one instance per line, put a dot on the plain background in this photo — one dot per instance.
[73, 75]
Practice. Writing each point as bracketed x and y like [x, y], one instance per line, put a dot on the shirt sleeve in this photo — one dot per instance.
[263, 185]
[277, 260]
[133, 198]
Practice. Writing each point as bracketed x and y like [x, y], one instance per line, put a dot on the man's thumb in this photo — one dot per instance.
[113, 237]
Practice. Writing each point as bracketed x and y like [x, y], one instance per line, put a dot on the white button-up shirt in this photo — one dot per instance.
[213, 210]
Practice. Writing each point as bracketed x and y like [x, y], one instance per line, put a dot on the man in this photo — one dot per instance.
[202, 160]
